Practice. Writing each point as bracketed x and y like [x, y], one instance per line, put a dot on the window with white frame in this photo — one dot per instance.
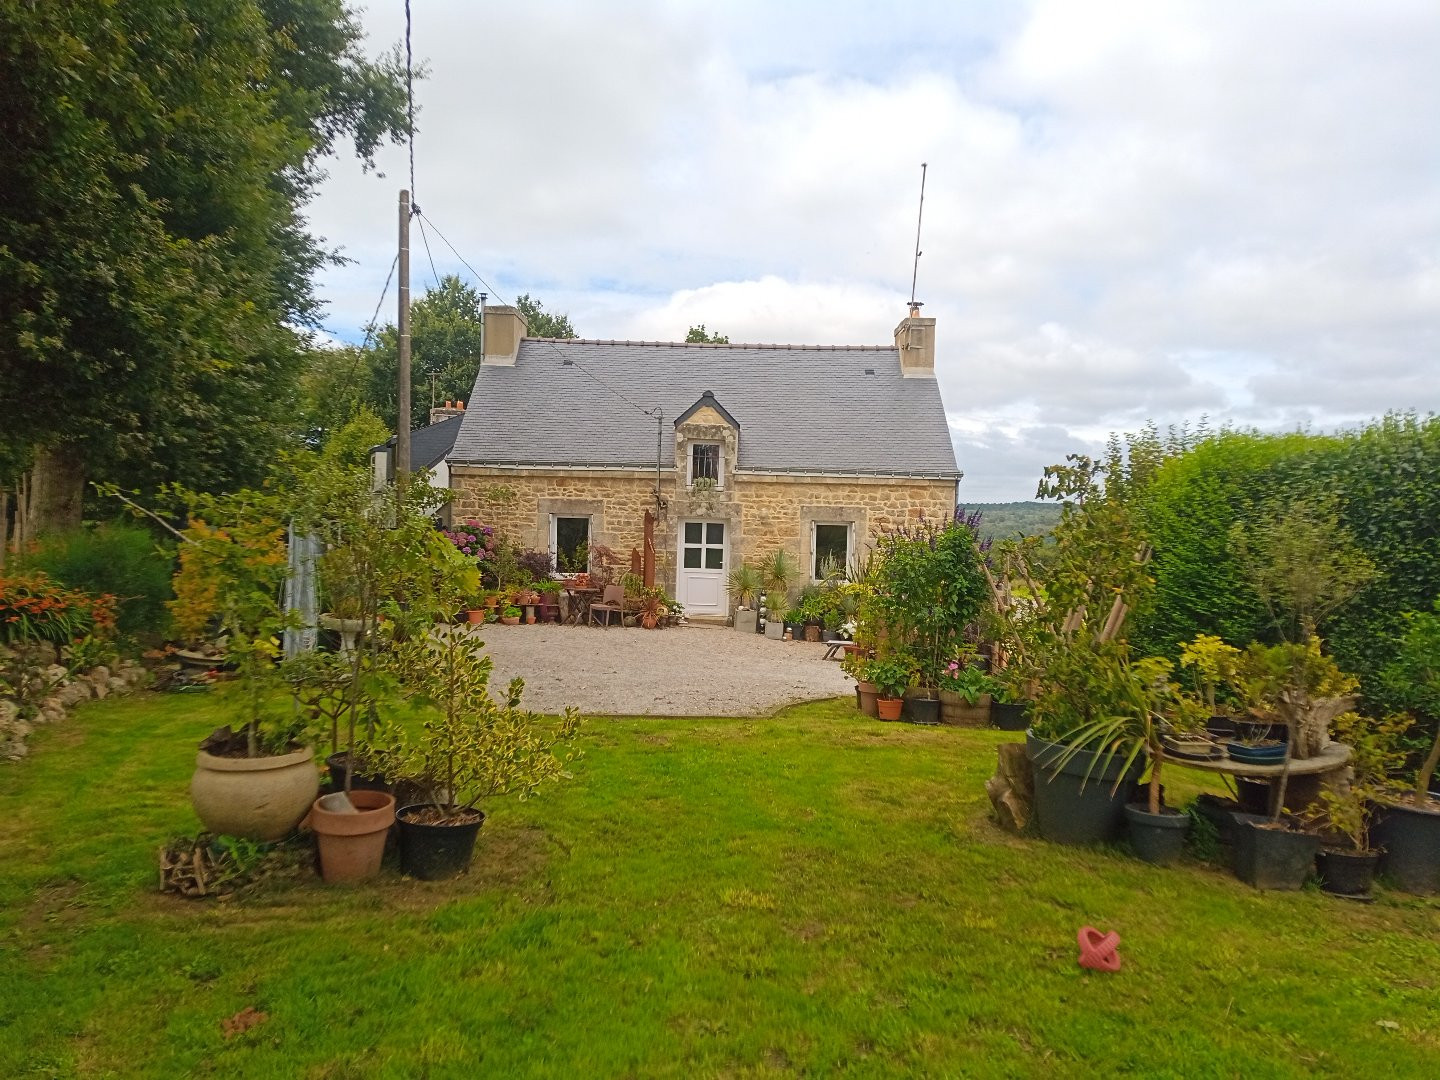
[830, 543]
[705, 463]
[570, 543]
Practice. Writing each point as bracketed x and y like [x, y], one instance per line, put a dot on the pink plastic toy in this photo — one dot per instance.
[1098, 952]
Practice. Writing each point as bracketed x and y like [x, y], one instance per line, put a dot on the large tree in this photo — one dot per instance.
[540, 323]
[445, 342]
[155, 270]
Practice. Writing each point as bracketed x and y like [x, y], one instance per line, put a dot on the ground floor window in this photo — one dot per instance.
[570, 544]
[832, 550]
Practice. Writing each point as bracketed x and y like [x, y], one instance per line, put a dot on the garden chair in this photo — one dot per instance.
[612, 602]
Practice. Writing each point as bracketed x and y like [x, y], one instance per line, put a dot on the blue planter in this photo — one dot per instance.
[1256, 755]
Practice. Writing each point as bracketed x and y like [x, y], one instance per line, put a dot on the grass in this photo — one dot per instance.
[813, 893]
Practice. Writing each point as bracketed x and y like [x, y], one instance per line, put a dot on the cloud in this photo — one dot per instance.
[1133, 210]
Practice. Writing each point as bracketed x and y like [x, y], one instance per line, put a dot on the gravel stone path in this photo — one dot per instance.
[678, 671]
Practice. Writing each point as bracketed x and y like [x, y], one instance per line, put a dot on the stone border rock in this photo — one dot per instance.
[41, 690]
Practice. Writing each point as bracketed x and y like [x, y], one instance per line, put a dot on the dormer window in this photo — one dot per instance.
[705, 463]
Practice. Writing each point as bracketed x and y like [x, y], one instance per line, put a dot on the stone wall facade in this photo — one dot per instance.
[763, 511]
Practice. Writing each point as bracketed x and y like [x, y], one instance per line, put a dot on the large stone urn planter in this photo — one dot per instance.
[260, 798]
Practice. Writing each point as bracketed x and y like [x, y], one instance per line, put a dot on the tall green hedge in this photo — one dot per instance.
[1387, 477]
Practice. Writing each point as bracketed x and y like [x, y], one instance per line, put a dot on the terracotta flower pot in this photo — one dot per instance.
[866, 696]
[261, 798]
[888, 708]
[475, 615]
[352, 845]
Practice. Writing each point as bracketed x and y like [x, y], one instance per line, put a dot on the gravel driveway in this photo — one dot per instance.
[678, 671]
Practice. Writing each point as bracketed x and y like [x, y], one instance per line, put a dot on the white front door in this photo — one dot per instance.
[701, 584]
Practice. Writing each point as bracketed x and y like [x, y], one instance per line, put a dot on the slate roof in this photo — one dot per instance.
[801, 408]
[429, 445]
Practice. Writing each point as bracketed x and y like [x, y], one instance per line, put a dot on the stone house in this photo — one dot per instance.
[736, 449]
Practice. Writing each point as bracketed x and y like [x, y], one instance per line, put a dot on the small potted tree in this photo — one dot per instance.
[1347, 858]
[470, 748]
[1408, 826]
[1212, 663]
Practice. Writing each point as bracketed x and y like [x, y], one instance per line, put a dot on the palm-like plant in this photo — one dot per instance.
[779, 571]
[745, 583]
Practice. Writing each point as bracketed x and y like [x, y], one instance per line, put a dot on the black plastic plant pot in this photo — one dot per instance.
[1221, 813]
[923, 711]
[435, 852]
[1081, 803]
[339, 765]
[1220, 726]
[1010, 717]
[1347, 873]
[1410, 839]
[1159, 838]
[1276, 859]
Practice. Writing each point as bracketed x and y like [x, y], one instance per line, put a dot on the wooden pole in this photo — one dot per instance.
[402, 420]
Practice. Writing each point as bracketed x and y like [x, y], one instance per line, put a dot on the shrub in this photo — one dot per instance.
[34, 608]
[117, 558]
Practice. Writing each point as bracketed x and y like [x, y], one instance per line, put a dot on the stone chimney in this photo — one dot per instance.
[504, 330]
[450, 408]
[915, 338]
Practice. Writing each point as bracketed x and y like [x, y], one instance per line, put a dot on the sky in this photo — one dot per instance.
[1149, 210]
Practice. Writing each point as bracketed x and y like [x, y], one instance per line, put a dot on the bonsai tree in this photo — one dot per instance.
[1213, 663]
[469, 746]
[1415, 676]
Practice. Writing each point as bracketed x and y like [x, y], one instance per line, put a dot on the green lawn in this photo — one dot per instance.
[814, 894]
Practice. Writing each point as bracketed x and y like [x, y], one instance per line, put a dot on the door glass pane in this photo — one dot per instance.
[714, 558]
[692, 558]
[715, 533]
[692, 532]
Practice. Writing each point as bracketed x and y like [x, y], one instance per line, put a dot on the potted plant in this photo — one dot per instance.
[857, 666]
[774, 615]
[470, 747]
[1408, 825]
[1213, 663]
[777, 575]
[255, 778]
[1347, 860]
[890, 677]
[652, 602]
[1081, 784]
[795, 624]
[745, 583]
[965, 694]
[510, 615]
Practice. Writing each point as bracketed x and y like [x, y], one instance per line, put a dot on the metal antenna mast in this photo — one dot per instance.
[914, 274]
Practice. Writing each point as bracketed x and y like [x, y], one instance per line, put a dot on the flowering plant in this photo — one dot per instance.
[473, 539]
[35, 608]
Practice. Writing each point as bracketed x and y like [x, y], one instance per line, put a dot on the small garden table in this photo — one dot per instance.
[579, 599]
[1306, 775]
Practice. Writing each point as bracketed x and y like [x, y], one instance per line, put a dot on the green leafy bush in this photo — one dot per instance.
[34, 608]
[117, 558]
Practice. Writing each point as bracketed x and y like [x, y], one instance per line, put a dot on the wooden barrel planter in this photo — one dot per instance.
[957, 712]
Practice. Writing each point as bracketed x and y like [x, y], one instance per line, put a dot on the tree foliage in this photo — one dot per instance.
[697, 335]
[154, 263]
[540, 323]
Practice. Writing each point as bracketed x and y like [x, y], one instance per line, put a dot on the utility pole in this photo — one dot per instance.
[402, 422]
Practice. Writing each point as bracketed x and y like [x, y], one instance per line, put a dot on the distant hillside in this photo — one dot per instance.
[1016, 518]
